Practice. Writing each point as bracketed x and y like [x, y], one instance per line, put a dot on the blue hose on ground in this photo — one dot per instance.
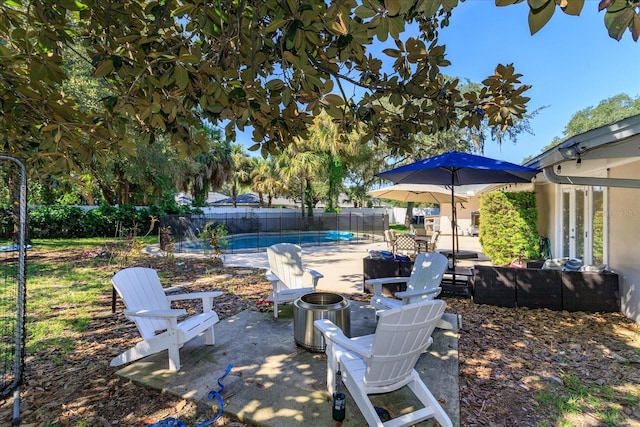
[213, 394]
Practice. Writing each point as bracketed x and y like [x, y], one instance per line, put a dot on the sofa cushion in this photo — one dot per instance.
[572, 264]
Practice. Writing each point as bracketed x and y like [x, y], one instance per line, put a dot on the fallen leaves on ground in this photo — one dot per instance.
[517, 366]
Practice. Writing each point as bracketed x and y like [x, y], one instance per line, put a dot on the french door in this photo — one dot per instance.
[582, 225]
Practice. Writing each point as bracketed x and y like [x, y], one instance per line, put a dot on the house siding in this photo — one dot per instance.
[624, 239]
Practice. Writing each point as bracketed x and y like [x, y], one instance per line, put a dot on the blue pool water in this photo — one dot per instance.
[263, 241]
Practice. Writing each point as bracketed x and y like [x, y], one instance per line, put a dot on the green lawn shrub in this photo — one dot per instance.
[509, 226]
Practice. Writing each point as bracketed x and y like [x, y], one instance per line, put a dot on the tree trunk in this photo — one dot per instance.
[408, 218]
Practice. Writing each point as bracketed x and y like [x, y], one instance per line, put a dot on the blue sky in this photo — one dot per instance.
[572, 64]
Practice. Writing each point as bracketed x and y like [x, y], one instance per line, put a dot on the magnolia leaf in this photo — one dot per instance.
[449, 4]
[618, 22]
[394, 53]
[275, 25]
[37, 71]
[5, 52]
[104, 68]
[396, 26]
[364, 12]
[28, 92]
[635, 28]
[338, 28]
[127, 39]
[538, 18]
[183, 10]
[275, 85]
[382, 30]
[158, 122]
[182, 77]
[507, 2]
[604, 4]
[538, 4]
[573, 7]
[189, 59]
[393, 7]
[430, 7]
[334, 100]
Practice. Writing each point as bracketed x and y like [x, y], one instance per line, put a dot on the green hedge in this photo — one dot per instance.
[74, 222]
[509, 226]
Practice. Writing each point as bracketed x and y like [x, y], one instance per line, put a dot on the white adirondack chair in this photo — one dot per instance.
[287, 274]
[384, 361]
[149, 308]
[422, 284]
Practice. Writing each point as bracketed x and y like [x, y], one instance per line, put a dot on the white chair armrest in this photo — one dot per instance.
[272, 277]
[405, 296]
[194, 295]
[174, 312]
[206, 297]
[377, 283]
[315, 276]
[333, 333]
[385, 280]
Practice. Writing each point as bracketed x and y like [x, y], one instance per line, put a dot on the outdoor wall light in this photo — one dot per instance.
[578, 162]
[571, 152]
[559, 169]
[568, 152]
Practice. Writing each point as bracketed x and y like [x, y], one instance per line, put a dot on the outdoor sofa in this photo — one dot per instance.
[554, 289]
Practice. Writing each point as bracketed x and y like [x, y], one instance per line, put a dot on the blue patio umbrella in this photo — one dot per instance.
[455, 168]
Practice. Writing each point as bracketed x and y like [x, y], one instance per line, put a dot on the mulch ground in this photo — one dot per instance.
[518, 367]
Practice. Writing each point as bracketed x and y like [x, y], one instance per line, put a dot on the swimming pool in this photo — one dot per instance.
[255, 241]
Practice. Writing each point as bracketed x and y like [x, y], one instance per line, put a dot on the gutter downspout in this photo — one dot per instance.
[585, 180]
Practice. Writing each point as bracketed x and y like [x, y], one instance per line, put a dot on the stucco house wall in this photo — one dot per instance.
[545, 202]
[624, 238]
[606, 157]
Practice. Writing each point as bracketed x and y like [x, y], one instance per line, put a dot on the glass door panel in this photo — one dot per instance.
[566, 221]
[597, 227]
[580, 226]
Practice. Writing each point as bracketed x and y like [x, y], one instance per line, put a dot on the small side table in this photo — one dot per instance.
[457, 282]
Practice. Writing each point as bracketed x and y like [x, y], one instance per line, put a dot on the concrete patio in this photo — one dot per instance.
[275, 382]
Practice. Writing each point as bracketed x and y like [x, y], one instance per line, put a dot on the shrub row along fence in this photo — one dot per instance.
[256, 230]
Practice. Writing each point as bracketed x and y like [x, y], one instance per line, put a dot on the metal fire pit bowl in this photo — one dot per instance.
[315, 306]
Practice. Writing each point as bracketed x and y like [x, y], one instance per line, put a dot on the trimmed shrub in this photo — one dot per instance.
[509, 226]
[74, 222]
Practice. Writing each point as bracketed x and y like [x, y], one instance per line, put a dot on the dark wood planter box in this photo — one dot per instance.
[588, 291]
[494, 286]
[537, 288]
[379, 268]
[551, 289]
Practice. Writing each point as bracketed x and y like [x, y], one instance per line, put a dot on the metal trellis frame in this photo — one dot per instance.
[12, 299]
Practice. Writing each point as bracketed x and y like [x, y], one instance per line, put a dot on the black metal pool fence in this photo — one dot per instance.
[257, 230]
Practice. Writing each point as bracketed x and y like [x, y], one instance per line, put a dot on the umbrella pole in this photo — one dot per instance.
[453, 224]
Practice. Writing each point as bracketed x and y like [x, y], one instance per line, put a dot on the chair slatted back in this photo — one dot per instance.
[402, 334]
[140, 289]
[434, 241]
[427, 272]
[285, 261]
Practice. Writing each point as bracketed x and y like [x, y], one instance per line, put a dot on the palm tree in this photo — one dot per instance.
[206, 171]
[241, 174]
[264, 180]
[300, 165]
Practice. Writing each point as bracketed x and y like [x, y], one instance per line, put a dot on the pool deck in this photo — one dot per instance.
[341, 265]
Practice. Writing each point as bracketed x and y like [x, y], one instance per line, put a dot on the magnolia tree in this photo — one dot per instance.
[268, 66]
